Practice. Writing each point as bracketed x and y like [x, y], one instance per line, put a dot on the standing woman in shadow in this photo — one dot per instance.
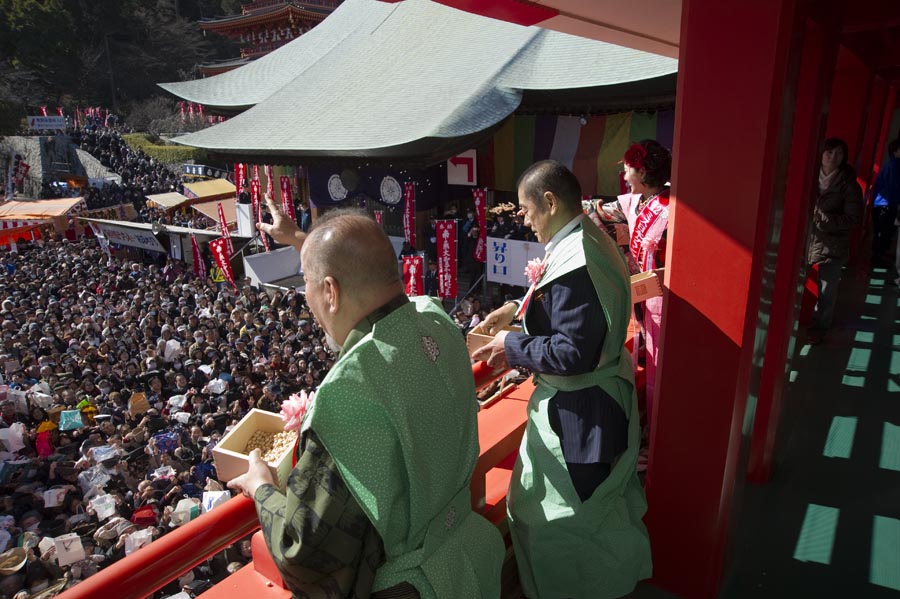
[839, 206]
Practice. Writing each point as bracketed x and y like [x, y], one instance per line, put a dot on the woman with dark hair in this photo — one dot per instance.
[839, 206]
[648, 167]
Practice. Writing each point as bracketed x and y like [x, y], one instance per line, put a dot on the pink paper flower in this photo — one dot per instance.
[534, 270]
[294, 408]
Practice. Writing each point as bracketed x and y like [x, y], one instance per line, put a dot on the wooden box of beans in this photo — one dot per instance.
[258, 429]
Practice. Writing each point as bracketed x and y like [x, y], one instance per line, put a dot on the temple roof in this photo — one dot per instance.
[399, 80]
[266, 14]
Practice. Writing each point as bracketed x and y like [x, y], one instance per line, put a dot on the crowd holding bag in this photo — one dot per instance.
[41, 400]
[136, 540]
[182, 417]
[166, 442]
[54, 497]
[20, 400]
[69, 549]
[104, 506]
[185, 511]
[138, 403]
[213, 499]
[70, 420]
[13, 437]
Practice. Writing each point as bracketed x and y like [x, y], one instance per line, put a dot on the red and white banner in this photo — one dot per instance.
[191, 111]
[240, 177]
[409, 213]
[287, 197]
[59, 111]
[256, 172]
[414, 275]
[21, 172]
[270, 182]
[446, 249]
[219, 247]
[43, 111]
[254, 199]
[180, 107]
[199, 265]
[223, 225]
[257, 208]
[480, 197]
[379, 217]
[200, 110]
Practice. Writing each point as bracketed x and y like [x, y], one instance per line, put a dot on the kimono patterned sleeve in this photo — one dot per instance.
[322, 542]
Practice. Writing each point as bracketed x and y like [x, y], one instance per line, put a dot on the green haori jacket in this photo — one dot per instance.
[398, 414]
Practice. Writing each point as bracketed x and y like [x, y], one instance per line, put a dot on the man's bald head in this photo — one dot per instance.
[353, 249]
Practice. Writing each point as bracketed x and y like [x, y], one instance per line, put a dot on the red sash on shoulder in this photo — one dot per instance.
[644, 223]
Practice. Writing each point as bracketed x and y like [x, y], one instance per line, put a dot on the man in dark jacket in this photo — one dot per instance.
[885, 199]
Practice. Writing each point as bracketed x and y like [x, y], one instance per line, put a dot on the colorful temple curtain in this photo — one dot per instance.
[591, 150]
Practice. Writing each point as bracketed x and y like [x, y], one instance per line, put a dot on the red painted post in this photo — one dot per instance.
[873, 120]
[819, 56]
[848, 101]
[718, 232]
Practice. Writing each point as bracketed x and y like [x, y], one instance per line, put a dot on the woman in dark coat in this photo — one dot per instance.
[839, 206]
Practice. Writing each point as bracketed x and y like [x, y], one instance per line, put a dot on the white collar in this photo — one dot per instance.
[568, 228]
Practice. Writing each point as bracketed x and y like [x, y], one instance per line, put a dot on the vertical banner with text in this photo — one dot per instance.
[287, 197]
[240, 178]
[409, 213]
[219, 248]
[270, 181]
[480, 197]
[446, 242]
[413, 274]
[223, 224]
[379, 217]
[199, 266]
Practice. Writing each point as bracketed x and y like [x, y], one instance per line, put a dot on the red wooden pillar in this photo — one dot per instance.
[873, 118]
[890, 105]
[849, 93]
[819, 56]
[729, 139]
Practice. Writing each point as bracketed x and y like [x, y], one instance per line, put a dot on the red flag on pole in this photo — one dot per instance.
[480, 197]
[199, 266]
[223, 224]
[446, 238]
[270, 181]
[257, 209]
[240, 177]
[219, 247]
[287, 197]
[379, 217]
[409, 213]
[256, 172]
[413, 275]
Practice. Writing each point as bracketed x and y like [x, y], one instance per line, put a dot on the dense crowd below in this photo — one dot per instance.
[92, 335]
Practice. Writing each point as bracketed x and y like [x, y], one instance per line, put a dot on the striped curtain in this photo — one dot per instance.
[592, 150]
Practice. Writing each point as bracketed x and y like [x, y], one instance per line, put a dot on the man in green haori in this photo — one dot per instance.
[575, 503]
[378, 504]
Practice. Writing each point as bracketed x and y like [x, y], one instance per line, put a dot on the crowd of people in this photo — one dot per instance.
[141, 175]
[121, 379]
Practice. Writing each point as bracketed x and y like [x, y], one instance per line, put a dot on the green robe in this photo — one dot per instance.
[398, 414]
[566, 548]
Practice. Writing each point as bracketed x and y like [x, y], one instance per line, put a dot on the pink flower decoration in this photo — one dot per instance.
[294, 409]
[534, 270]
